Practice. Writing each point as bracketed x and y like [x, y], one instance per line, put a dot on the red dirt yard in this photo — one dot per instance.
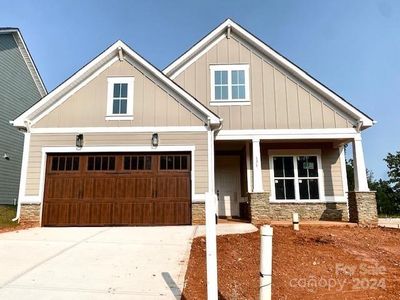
[314, 263]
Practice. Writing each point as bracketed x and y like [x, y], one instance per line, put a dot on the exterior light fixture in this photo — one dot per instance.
[154, 140]
[79, 140]
[6, 157]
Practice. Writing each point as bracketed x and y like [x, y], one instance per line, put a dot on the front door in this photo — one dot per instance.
[227, 184]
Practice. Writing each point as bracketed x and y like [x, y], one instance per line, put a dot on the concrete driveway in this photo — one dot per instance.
[94, 262]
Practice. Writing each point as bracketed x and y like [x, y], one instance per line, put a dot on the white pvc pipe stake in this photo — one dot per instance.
[266, 263]
[296, 222]
[211, 247]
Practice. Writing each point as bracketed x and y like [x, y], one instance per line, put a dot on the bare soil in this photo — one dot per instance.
[314, 263]
[16, 226]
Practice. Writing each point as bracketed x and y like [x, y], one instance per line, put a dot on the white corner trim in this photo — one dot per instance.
[211, 162]
[116, 129]
[24, 173]
[287, 134]
[99, 149]
[130, 81]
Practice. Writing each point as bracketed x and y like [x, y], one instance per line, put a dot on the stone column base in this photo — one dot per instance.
[198, 213]
[30, 213]
[259, 208]
[362, 208]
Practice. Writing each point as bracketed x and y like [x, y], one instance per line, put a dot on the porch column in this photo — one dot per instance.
[360, 171]
[257, 174]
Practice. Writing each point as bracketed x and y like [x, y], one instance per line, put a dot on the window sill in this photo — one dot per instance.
[119, 118]
[228, 103]
[313, 201]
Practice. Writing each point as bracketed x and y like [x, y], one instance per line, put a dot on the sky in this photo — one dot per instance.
[353, 47]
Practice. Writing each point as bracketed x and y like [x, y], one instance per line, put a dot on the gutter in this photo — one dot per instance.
[24, 168]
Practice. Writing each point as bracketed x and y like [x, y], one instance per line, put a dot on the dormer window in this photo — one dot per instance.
[120, 98]
[229, 84]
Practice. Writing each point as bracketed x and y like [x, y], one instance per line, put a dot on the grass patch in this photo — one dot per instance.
[7, 213]
[389, 216]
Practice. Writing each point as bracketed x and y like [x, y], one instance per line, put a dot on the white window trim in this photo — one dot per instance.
[230, 101]
[295, 153]
[110, 88]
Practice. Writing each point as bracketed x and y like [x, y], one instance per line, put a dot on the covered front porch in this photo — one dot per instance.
[264, 177]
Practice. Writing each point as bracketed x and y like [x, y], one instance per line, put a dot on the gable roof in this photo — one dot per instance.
[91, 70]
[27, 57]
[207, 42]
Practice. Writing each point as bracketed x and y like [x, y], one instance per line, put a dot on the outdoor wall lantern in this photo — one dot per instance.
[6, 156]
[154, 140]
[79, 140]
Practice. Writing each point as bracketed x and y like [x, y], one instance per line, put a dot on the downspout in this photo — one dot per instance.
[24, 169]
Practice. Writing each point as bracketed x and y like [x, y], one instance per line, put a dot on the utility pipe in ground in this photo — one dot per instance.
[266, 262]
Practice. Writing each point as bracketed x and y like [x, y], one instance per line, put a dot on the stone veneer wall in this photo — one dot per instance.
[262, 211]
[310, 211]
[259, 208]
[362, 208]
[30, 213]
[198, 213]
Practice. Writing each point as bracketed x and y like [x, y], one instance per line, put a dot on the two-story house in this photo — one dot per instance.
[20, 87]
[123, 143]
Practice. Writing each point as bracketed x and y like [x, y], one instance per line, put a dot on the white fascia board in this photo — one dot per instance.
[367, 122]
[20, 121]
[166, 80]
[111, 51]
[27, 58]
[170, 70]
[115, 129]
[287, 134]
[182, 63]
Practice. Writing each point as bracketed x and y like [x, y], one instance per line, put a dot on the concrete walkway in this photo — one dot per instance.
[94, 263]
[230, 228]
[389, 222]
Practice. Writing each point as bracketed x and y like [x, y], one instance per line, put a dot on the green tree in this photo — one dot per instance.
[350, 174]
[393, 164]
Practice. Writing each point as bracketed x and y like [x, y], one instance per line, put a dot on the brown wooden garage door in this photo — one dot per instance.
[117, 189]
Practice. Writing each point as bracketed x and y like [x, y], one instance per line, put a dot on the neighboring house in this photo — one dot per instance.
[122, 143]
[20, 87]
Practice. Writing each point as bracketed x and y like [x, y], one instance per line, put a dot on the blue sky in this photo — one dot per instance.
[351, 46]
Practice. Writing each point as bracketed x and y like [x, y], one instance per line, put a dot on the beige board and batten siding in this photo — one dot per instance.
[152, 105]
[278, 100]
[197, 139]
[330, 158]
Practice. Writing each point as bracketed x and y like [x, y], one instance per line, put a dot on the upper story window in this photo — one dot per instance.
[120, 98]
[230, 84]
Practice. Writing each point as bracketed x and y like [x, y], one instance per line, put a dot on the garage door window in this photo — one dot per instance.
[101, 163]
[174, 162]
[137, 162]
[65, 163]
